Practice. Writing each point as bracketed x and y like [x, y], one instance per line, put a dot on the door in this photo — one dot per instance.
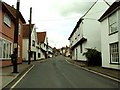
[35, 56]
[76, 54]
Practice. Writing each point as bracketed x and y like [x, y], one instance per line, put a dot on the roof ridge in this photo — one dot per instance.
[12, 10]
[6, 4]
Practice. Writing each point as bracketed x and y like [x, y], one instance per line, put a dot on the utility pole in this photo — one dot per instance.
[47, 47]
[15, 52]
[29, 50]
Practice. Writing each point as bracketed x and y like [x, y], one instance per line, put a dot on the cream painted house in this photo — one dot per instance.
[42, 40]
[34, 44]
[86, 33]
[110, 36]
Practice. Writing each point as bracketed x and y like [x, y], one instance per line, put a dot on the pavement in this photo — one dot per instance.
[107, 72]
[6, 75]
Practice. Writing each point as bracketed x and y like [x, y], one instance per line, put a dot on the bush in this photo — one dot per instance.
[93, 57]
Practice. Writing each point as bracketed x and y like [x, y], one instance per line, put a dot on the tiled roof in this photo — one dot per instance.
[26, 30]
[41, 36]
[12, 10]
[110, 10]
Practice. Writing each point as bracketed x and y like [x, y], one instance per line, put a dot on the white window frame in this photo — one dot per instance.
[0, 48]
[18, 51]
[113, 24]
[8, 51]
[7, 20]
[19, 32]
[114, 52]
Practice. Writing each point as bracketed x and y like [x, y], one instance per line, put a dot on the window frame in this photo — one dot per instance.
[19, 31]
[8, 45]
[115, 22]
[7, 20]
[0, 48]
[33, 43]
[111, 61]
[18, 51]
[81, 48]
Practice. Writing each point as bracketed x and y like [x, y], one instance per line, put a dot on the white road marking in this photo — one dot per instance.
[21, 78]
[94, 72]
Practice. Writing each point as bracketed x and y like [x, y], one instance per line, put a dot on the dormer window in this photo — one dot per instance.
[7, 20]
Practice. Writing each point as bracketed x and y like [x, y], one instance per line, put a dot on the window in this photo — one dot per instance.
[81, 48]
[33, 43]
[114, 53]
[19, 31]
[5, 49]
[18, 51]
[113, 23]
[10, 49]
[7, 20]
[38, 55]
[0, 48]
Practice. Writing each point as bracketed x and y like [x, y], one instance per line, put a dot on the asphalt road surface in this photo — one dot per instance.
[57, 73]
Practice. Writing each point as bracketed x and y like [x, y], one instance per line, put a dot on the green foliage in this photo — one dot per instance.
[93, 56]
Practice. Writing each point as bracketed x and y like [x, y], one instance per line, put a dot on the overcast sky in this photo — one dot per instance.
[57, 17]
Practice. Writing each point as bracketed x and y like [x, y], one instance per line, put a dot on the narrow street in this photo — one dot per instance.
[57, 73]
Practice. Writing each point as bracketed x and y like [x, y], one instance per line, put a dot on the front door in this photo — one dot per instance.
[35, 56]
[76, 54]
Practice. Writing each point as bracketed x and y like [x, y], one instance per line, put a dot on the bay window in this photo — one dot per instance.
[5, 49]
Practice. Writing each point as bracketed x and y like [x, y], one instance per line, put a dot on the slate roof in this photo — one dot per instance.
[110, 10]
[26, 30]
[41, 36]
[12, 10]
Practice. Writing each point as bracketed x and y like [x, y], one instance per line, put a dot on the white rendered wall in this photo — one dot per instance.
[106, 39]
[33, 37]
[119, 34]
[25, 49]
[89, 29]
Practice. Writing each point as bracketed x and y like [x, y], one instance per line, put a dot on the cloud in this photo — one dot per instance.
[57, 17]
[69, 7]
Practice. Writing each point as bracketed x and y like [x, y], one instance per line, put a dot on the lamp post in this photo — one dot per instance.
[15, 52]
